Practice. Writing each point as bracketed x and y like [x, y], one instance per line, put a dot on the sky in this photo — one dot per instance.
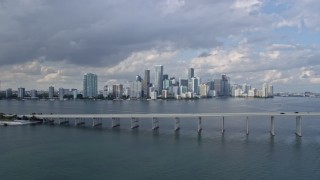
[46, 42]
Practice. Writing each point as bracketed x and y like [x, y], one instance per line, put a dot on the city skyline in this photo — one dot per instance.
[252, 41]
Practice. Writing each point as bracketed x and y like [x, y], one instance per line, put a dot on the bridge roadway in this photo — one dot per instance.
[79, 118]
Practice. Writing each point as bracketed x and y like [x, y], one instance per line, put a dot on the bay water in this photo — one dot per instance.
[68, 152]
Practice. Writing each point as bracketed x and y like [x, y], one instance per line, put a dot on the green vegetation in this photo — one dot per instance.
[4, 117]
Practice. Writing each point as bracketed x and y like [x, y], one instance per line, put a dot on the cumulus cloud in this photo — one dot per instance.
[45, 42]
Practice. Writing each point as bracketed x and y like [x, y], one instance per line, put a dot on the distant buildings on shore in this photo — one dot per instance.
[163, 87]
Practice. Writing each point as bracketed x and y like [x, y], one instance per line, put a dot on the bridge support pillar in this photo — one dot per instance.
[115, 122]
[63, 121]
[79, 122]
[222, 126]
[298, 126]
[272, 126]
[199, 124]
[96, 122]
[247, 125]
[176, 124]
[155, 123]
[134, 123]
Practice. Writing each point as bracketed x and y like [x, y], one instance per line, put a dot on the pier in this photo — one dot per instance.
[99, 119]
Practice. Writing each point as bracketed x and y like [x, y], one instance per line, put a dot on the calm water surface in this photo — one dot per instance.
[67, 152]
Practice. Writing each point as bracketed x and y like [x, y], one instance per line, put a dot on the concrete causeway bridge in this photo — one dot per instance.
[98, 119]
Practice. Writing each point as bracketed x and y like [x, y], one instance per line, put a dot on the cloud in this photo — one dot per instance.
[302, 14]
[107, 32]
[45, 42]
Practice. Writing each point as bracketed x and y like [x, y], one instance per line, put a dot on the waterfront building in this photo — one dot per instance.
[8, 93]
[51, 92]
[90, 85]
[154, 95]
[117, 91]
[211, 85]
[238, 92]
[267, 90]
[252, 92]
[270, 91]
[233, 89]
[136, 89]
[158, 80]
[225, 85]
[194, 85]
[75, 93]
[203, 90]
[126, 91]
[21, 92]
[164, 94]
[105, 92]
[246, 88]
[34, 94]
[146, 83]
[61, 93]
[183, 89]
[173, 90]
[218, 87]
[166, 84]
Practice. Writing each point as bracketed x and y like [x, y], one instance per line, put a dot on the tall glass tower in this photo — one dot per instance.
[158, 78]
[90, 85]
[190, 73]
[146, 83]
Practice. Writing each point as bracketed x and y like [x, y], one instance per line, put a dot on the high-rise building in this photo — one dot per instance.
[117, 91]
[225, 85]
[51, 92]
[138, 78]
[270, 90]
[195, 85]
[158, 78]
[190, 73]
[203, 90]
[146, 83]
[21, 92]
[165, 77]
[34, 94]
[136, 89]
[218, 87]
[166, 84]
[8, 93]
[105, 91]
[61, 93]
[90, 85]
[183, 82]
[267, 90]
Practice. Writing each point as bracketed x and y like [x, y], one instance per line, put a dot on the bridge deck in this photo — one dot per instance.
[180, 115]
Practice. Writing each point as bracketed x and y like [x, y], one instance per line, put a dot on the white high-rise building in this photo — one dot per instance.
[90, 85]
[267, 90]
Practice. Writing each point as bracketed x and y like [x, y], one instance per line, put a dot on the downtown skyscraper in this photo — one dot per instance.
[158, 78]
[90, 85]
[146, 83]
